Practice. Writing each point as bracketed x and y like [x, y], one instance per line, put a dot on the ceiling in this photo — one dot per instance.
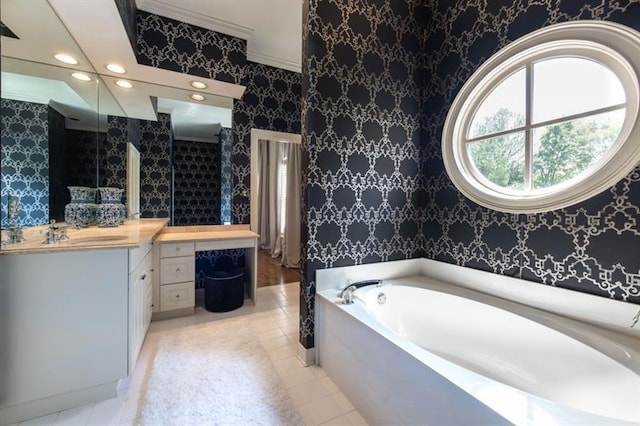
[93, 32]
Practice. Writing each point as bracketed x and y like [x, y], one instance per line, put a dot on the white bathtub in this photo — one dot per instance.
[436, 353]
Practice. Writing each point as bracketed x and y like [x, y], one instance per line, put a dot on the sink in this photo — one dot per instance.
[97, 239]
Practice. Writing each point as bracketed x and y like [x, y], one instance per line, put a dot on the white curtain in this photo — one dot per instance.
[291, 238]
[279, 197]
[267, 190]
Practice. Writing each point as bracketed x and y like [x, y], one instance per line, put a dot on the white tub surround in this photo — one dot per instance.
[438, 351]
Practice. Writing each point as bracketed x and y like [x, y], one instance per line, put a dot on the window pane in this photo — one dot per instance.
[565, 150]
[500, 160]
[566, 86]
[503, 109]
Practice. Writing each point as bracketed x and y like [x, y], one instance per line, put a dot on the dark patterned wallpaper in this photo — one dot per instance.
[226, 173]
[58, 192]
[591, 247]
[155, 167]
[177, 46]
[24, 160]
[80, 157]
[196, 183]
[271, 101]
[129, 14]
[113, 153]
[362, 90]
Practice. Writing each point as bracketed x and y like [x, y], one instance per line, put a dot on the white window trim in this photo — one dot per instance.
[615, 46]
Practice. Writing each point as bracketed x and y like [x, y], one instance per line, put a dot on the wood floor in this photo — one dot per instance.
[271, 273]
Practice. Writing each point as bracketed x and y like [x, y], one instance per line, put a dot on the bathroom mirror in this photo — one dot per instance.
[49, 137]
[59, 131]
[97, 120]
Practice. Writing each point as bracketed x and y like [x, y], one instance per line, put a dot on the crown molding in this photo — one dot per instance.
[273, 61]
[218, 25]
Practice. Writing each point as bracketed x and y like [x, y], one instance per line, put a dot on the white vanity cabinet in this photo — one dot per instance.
[140, 300]
[176, 280]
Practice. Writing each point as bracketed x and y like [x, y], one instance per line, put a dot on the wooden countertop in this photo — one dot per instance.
[129, 235]
[176, 234]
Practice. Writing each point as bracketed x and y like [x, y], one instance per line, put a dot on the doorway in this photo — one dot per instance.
[275, 204]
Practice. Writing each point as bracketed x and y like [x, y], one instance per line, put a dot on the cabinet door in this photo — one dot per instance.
[139, 308]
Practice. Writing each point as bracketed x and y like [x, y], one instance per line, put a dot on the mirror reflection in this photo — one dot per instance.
[171, 154]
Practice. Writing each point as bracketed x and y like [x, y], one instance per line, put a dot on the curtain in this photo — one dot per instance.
[267, 190]
[279, 195]
[278, 201]
[291, 238]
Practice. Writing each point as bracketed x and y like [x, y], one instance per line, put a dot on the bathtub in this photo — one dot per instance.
[421, 350]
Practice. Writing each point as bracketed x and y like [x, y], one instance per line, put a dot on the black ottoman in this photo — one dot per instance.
[224, 290]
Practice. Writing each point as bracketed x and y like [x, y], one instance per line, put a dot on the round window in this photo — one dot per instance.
[548, 121]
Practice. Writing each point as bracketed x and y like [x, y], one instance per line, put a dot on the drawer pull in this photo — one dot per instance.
[177, 248]
[143, 277]
[177, 269]
[177, 296]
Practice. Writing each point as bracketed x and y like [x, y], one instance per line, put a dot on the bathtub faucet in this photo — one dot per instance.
[635, 319]
[347, 293]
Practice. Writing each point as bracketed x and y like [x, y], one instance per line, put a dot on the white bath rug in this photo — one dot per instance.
[215, 374]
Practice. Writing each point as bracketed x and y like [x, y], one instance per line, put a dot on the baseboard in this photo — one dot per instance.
[306, 355]
[41, 407]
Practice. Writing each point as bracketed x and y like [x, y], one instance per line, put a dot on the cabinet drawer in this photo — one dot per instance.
[177, 269]
[176, 250]
[177, 296]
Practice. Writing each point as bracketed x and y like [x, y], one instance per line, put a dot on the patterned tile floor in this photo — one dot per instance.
[274, 320]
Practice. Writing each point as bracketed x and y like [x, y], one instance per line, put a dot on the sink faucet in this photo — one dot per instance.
[52, 236]
[347, 292]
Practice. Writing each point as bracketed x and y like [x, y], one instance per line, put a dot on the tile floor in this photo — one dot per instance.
[274, 321]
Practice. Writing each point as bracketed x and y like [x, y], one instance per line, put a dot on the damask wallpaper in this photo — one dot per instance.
[113, 153]
[177, 46]
[155, 167]
[226, 173]
[196, 183]
[58, 192]
[591, 247]
[271, 101]
[25, 160]
[364, 192]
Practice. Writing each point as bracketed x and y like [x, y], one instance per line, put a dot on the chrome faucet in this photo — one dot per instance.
[635, 319]
[346, 294]
[52, 236]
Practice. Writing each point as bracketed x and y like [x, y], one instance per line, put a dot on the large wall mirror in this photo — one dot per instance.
[65, 125]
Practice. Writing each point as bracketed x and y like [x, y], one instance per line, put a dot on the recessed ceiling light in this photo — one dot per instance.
[118, 69]
[67, 59]
[80, 76]
[197, 97]
[124, 83]
[198, 85]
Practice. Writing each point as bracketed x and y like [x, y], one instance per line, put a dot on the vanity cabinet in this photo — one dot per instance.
[176, 280]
